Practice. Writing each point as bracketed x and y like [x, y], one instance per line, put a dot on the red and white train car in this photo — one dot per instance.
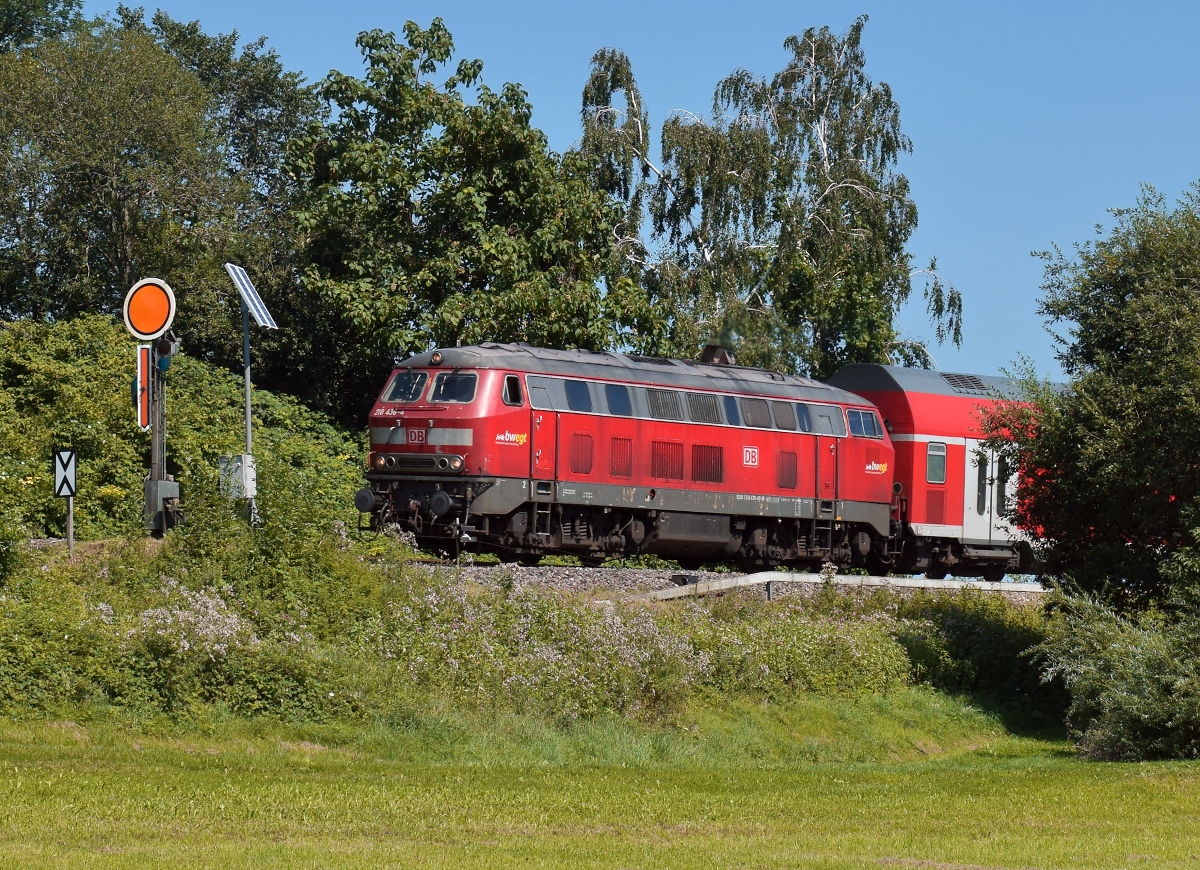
[955, 493]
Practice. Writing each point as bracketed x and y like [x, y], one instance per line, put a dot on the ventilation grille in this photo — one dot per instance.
[706, 464]
[581, 453]
[621, 464]
[665, 404]
[703, 408]
[935, 507]
[666, 460]
[785, 470]
[965, 384]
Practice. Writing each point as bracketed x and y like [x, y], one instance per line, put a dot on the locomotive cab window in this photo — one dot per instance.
[512, 390]
[618, 400]
[456, 387]
[935, 462]
[579, 398]
[804, 419]
[828, 420]
[406, 386]
[864, 424]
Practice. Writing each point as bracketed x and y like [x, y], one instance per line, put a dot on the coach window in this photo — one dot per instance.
[1003, 473]
[512, 390]
[731, 412]
[618, 400]
[935, 462]
[981, 462]
[579, 398]
[785, 417]
[453, 387]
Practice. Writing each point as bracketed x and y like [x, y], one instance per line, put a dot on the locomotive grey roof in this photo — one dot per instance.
[888, 379]
[681, 374]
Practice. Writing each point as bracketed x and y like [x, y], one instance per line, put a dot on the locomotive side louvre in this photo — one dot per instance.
[955, 491]
[618, 455]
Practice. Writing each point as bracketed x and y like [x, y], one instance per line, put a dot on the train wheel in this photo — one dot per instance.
[994, 574]
[876, 567]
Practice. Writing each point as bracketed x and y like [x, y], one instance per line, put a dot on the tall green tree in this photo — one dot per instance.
[1110, 480]
[429, 218]
[23, 22]
[109, 172]
[779, 224]
[256, 107]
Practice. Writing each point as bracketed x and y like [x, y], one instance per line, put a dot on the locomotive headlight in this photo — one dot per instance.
[377, 461]
[456, 463]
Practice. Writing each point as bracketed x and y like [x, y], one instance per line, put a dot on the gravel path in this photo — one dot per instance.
[629, 581]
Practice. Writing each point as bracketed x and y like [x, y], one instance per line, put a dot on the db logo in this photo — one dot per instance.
[750, 457]
[416, 436]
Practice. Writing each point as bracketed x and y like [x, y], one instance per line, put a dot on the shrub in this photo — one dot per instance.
[1134, 681]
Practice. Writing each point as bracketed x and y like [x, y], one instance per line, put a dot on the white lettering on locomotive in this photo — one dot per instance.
[750, 457]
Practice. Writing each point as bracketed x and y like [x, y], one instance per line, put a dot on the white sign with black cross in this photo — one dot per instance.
[64, 471]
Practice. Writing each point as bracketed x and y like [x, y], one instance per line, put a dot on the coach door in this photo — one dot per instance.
[987, 493]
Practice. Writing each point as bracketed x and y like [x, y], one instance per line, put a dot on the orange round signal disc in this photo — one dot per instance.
[149, 309]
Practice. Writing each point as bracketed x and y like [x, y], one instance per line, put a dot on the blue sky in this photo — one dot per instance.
[1028, 120]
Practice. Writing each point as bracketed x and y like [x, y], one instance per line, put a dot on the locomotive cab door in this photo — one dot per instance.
[543, 436]
[543, 431]
[827, 423]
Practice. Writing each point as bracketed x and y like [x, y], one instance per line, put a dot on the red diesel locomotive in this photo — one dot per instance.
[525, 451]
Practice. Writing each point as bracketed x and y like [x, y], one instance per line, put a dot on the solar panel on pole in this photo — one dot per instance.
[250, 296]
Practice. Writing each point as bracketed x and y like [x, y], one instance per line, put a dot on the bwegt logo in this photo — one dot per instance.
[877, 468]
[518, 438]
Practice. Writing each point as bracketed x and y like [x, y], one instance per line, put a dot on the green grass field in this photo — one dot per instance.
[913, 780]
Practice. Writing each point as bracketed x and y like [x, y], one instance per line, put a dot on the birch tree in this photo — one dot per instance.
[779, 223]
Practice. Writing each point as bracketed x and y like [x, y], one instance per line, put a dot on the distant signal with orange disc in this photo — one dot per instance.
[149, 309]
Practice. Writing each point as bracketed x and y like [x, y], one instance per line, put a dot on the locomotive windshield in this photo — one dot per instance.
[453, 387]
[406, 386]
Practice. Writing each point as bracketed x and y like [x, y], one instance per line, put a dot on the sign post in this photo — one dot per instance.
[238, 472]
[65, 463]
[149, 311]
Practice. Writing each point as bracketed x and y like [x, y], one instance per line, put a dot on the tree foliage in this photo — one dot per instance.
[255, 108]
[780, 223]
[428, 218]
[108, 172]
[23, 22]
[1110, 482]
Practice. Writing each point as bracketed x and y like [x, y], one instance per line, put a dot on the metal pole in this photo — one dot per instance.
[71, 526]
[246, 367]
[158, 433]
[251, 508]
